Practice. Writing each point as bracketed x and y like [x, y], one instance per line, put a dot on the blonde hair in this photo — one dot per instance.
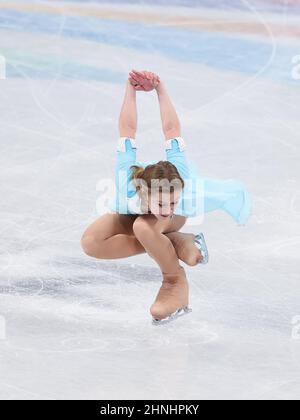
[162, 170]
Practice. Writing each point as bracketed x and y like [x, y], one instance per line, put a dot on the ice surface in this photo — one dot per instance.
[75, 327]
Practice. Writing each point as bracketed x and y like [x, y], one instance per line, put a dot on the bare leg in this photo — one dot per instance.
[185, 247]
[111, 237]
[104, 240]
[151, 234]
[173, 294]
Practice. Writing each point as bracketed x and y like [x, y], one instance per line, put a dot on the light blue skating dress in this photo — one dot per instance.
[200, 195]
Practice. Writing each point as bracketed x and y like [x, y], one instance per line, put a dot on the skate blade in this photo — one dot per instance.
[201, 245]
[180, 312]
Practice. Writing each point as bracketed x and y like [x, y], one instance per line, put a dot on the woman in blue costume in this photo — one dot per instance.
[154, 200]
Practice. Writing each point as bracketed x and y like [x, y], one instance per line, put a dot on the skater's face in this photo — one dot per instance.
[163, 204]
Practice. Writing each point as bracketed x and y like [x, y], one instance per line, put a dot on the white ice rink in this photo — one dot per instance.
[73, 327]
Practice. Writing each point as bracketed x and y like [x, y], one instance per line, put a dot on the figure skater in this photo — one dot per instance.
[150, 206]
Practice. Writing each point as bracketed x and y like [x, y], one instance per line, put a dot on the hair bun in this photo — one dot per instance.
[138, 171]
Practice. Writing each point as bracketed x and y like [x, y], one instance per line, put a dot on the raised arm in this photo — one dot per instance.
[128, 114]
[170, 121]
[147, 81]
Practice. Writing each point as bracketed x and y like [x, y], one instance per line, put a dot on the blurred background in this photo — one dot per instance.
[75, 327]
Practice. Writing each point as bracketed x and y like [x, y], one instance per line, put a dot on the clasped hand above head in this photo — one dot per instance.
[144, 80]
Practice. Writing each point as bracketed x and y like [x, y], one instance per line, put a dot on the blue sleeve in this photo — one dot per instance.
[126, 157]
[175, 153]
[126, 153]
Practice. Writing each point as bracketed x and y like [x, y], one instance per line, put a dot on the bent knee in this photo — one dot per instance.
[89, 245]
[141, 225]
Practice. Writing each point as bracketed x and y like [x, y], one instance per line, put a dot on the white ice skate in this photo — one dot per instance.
[201, 245]
[180, 312]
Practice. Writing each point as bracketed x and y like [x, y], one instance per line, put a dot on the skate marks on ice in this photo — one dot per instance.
[93, 306]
